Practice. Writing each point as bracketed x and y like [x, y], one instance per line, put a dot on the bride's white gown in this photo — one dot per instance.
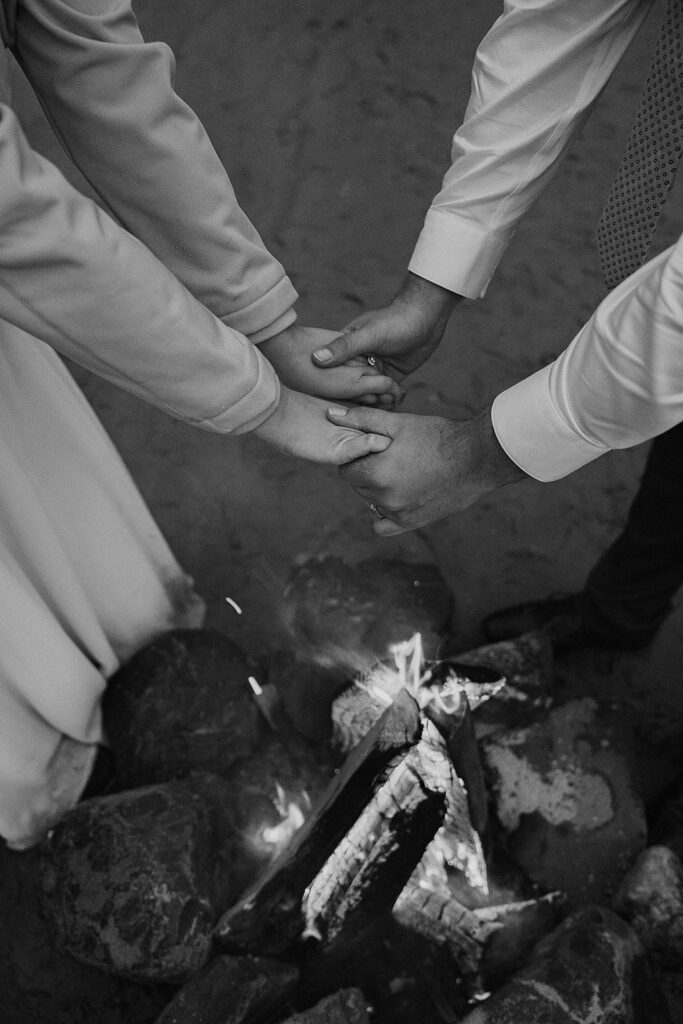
[85, 579]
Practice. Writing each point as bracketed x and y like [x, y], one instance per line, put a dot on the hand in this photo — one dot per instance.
[433, 468]
[299, 427]
[405, 333]
[289, 353]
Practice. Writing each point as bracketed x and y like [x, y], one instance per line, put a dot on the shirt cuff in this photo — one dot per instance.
[268, 315]
[533, 433]
[455, 254]
[253, 409]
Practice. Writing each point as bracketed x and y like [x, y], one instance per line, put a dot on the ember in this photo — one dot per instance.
[291, 819]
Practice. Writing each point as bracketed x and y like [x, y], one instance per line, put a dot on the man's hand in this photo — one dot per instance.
[299, 427]
[290, 352]
[404, 334]
[433, 468]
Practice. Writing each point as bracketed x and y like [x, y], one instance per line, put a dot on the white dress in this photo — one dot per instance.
[85, 579]
[167, 309]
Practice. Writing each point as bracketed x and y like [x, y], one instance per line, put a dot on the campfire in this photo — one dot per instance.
[397, 872]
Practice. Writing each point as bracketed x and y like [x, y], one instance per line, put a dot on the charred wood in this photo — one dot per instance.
[360, 882]
[484, 945]
[268, 917]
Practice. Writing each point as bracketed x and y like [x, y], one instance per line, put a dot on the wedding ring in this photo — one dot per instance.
[372, 360]
[376, 512]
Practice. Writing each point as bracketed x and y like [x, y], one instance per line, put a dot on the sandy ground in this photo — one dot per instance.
[334, 121]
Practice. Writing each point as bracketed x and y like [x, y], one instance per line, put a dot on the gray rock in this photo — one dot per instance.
[232, 990]
[650, 898]
[348, 1006]
[563, 791]
[591, 969]
[339, 615]
[182, 703]
[526, 662]
[130, 881]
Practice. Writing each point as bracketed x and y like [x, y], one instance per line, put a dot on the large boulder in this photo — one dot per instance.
[232, 990]
[650, 898]
[591, 969]
[348, 1006]
[563, 791]
[132, 883]
[182, 703]
[339, 615]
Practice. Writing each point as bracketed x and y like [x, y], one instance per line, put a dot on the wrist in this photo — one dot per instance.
[435, 300]
[271, 428]
[496, 466]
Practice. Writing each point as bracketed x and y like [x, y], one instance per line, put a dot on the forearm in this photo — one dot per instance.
[536, 75]
[110, 97]
[73, 278]
[619, 383]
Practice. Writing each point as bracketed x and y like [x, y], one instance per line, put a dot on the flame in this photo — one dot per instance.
[292, 818]
[410, 672]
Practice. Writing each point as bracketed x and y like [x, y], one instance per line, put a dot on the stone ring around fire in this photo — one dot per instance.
[372, 360]
[376, 512]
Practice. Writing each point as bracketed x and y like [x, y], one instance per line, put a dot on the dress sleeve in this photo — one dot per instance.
[619, 383]
[536, 75]
[110, 98]
[72, 277]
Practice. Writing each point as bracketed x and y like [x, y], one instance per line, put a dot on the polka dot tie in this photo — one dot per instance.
[648, 167]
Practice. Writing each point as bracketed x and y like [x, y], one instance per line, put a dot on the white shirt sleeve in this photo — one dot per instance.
[619, 383]
[110, 97]
[536, 74]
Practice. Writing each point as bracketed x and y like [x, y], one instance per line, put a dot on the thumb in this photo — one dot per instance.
[357, 341]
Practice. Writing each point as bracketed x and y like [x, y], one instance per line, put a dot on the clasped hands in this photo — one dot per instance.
[410, 469]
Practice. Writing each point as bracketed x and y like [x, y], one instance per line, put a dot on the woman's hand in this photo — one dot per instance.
[299, 427]
[355, 380]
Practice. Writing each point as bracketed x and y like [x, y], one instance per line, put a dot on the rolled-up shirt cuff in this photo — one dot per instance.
[250, 411]
[534, 435]
[268, 315]
[457, 255]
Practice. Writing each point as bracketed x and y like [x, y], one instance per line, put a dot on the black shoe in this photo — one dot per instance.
[560, 618]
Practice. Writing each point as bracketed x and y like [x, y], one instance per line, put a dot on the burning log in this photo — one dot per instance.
[443, 690]
[483, 945]
[362, 879]
[269, 917]
[454, 722]
[444, 923]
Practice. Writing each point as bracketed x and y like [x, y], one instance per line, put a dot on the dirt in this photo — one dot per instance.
[334, 121]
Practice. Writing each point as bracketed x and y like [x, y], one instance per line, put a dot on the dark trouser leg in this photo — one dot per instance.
[630, 589]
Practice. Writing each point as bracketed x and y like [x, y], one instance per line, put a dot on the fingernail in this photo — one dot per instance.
[337, 410]
[379, 443]
[323, 355]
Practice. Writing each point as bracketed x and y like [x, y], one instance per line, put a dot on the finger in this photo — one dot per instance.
[360, 342]
[360, 417]
[379, 385]
[387, 528]
[354, 445]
